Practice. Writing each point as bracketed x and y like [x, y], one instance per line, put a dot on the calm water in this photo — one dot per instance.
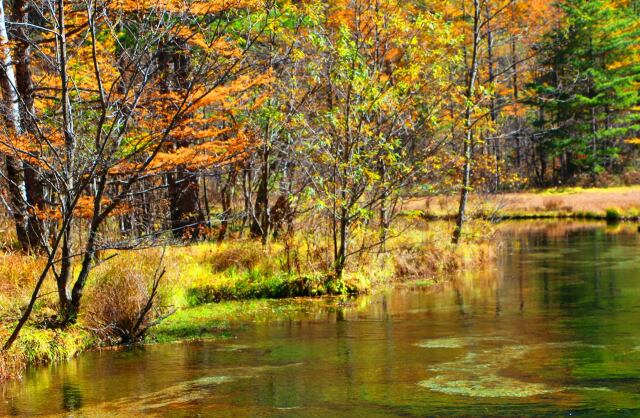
[554, 330]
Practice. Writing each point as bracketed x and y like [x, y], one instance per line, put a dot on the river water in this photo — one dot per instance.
[553, 329]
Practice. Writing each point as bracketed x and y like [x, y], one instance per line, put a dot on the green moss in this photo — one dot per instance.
[218, 320]
[254, 285]
[42, 346]
[559, 191]
[423, 283]
[633, 213]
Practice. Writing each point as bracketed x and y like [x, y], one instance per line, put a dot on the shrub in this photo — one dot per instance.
[631, 177]
[118, 301]
[238, 255]
[586, 214]
[633, 213]
[613, 214]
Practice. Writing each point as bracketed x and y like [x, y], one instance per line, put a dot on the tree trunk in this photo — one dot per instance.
[11, 110]
[63, 278]
[384, 208]
[341, 253]
[225, 199]
[185, 213]
[493, 110]
[261, 225]
[34, 184]
[246, 193]
[468, 140]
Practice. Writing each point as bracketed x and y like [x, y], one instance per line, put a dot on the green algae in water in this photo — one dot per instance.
[459, 342]
[192, 390]
[181, 393]
[444, 343]
[211, 380]
[476, 375]
[233, 347]
[486, 387]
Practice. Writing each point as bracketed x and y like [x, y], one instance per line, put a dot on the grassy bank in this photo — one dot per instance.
[613, 204]
[213, 285]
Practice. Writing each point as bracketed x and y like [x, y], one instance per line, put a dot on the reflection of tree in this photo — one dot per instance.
[72, 398]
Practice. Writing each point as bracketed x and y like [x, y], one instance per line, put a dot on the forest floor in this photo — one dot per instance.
[212, 286]
[614, 203]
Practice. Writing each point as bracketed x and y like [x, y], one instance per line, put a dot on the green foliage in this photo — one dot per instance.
[254, 285]
[43, 346]
[588, 92]
[613, 214]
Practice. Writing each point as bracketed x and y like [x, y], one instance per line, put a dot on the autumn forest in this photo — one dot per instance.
[159, 156]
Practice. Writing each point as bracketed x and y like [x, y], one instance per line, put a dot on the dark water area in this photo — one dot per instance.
[552, 330]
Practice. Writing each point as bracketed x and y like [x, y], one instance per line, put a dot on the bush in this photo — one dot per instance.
[586, 214]
[117, 301]
[631, 177]
[236, 255]
[613, 214]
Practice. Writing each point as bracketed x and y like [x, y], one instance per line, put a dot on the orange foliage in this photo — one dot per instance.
[180, 6]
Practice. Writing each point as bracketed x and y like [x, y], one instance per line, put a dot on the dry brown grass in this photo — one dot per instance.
[244, 254]
[571, 200]
[432, 255]
[117, 297]
[18, 273]
[11, 365]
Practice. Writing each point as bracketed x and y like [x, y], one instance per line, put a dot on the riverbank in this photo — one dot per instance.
[210, 285]
[613, 203]
[550, 328]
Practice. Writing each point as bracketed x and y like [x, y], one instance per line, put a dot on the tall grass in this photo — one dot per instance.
[244, 269]
[116, 301]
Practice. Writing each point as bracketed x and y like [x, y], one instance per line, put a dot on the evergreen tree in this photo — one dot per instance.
[588, 91]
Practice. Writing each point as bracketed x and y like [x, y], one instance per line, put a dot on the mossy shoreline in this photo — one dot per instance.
[215, 287]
